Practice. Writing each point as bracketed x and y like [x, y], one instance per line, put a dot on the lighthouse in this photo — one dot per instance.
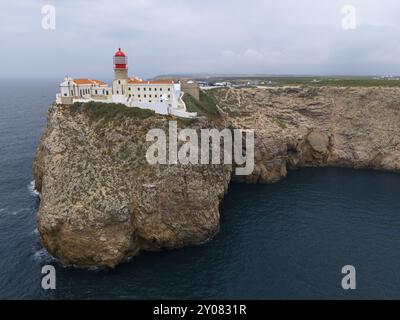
[161, 96]
[120, 82]
[120, 65]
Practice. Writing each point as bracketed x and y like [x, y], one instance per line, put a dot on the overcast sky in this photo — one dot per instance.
[193, 36]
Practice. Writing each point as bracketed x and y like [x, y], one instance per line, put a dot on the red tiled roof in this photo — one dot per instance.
[89, 81]
[140, 81]
[162, 82]
[135, 80]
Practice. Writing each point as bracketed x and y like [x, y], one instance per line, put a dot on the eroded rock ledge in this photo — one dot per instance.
[101, 202]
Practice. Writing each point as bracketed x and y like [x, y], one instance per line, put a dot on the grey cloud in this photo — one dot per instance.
[184, 36]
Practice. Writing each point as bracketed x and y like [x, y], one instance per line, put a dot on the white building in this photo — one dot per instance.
[164, 97]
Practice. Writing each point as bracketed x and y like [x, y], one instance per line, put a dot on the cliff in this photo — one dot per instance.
[101, 202]
[295, 127]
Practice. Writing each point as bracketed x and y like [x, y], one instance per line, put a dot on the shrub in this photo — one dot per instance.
[109, 111]
[205, 106]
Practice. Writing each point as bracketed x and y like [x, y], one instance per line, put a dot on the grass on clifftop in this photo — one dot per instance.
[206, 106]
[109, 111]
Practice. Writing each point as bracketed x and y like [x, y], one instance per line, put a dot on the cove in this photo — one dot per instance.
[287, 240]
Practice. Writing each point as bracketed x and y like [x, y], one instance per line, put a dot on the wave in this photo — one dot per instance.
[32, 190]
[95, 269]
[42, 255]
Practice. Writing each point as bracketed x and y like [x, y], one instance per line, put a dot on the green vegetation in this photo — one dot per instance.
[191, 104]
[109, 111]
[206, 106]
[208, 103]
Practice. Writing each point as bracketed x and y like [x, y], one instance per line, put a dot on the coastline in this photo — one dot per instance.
[140, 207]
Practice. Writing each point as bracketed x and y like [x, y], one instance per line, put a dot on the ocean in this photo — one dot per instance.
[287, 240]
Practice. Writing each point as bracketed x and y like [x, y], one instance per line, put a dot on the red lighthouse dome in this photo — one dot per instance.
[120, 53]
[120, 60]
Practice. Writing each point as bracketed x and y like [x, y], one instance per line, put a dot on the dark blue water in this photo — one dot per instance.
[287, 240]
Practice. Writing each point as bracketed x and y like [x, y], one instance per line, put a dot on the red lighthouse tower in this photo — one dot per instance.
[120, 65]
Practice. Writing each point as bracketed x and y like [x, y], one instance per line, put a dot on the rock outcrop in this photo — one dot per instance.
[101, 202]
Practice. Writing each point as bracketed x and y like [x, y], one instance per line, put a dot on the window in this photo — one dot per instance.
[119, 81]
[155, 95]
[160, 89]
[145, 96]
[169, 96]
[139, 96]
[169, 89]
[149, 89]
[65, 94]
[117, 92]
[129, 88]
[155, 89]
[107, 92]
[129, 96]
[161, 100]
[138, 89]
[150, 95]
[95, 91]
[149, 100]
[144, 89]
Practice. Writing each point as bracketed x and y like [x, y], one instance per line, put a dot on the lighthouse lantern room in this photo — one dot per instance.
[120, 65]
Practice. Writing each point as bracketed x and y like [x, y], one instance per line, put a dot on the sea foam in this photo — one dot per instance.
[32, 190]
[43, 256]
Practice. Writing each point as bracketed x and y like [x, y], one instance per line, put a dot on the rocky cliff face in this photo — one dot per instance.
[101, 202]
[317, 126]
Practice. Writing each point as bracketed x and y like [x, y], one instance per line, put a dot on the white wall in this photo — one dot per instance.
[183, 114]
[65, 91]
[159, 107]
[102, 90]
[150, 93]
[120, 86]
